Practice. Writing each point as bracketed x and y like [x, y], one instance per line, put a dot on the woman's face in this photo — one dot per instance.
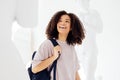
[63, 25]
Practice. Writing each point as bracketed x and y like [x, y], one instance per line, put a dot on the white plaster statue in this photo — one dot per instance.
[93, 25]
[25, 13]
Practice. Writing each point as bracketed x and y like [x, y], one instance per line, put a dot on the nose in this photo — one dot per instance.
[63, 23]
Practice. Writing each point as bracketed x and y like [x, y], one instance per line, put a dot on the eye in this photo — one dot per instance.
[67, 21]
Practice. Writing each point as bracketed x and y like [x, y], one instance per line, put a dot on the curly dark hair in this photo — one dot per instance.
[75, 36]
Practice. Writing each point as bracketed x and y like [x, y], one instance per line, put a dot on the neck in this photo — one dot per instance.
[62, 37]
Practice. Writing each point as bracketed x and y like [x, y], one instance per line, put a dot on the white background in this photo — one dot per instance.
[108, 41]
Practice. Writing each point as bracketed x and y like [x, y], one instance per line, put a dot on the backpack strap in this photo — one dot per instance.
[54, 65]
[33, 54]
[54, 42]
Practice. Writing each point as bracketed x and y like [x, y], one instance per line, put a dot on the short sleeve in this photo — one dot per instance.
[77, 63]
[44, 51]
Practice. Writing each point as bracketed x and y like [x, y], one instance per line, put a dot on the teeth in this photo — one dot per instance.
[62, 27]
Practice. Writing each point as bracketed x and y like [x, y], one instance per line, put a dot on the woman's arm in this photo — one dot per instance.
[45, 63]
[77, 76]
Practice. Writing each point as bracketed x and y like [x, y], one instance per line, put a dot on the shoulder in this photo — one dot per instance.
[45, 49]
[46, 43]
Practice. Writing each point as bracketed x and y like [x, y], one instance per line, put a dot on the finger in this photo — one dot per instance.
[59, 52]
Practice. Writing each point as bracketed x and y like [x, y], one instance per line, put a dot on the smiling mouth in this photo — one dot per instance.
[61, 27]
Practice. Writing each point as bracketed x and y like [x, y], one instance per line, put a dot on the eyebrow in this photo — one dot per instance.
[67, 19]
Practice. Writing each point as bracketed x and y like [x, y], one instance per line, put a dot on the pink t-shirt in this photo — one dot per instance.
[67, 64]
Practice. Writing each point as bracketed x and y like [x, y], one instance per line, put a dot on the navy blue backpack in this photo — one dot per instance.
[44, 74]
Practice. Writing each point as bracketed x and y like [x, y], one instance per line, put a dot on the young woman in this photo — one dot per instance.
[68, 31]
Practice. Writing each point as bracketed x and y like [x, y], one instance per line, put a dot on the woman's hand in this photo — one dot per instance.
[77, 76]
[57, 51]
